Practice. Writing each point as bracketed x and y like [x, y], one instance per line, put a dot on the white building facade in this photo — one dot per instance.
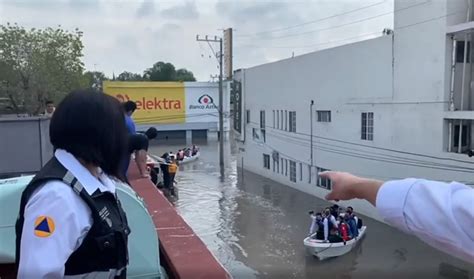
[388, 108]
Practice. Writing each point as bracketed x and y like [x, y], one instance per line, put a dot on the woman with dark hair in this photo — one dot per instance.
[71, 221]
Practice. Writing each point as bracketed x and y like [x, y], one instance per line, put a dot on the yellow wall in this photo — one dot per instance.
[157, 102]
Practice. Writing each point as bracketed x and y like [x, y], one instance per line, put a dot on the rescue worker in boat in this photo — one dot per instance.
[165, 172]
[71, 222]
[172, 169]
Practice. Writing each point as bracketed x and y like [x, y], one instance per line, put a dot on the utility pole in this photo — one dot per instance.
[220, 55]
[311, 123]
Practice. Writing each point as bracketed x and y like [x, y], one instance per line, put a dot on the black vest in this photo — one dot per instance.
[105, 246]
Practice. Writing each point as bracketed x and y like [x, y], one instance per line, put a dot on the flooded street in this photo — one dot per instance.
[255, 227]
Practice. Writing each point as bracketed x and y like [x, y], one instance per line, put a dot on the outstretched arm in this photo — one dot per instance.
[440, 214]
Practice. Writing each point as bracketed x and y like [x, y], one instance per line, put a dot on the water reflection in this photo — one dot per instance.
[255, 227]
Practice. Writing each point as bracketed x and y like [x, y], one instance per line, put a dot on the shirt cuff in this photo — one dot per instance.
[391, 199]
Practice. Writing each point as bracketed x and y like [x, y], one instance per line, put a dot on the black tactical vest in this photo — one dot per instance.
[105, 246]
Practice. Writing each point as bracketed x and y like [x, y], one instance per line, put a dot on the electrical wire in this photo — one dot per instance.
[379, 148]
[344, 24]
[312, 21]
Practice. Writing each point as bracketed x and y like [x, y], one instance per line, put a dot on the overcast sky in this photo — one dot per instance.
[131, 35]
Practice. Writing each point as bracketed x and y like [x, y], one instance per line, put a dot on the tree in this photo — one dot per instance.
[184, 75]
[161, 71]
[128, 76]
[38, 65]
[94, 79]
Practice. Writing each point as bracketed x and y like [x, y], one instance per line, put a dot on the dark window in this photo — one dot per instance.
[292, 171]
[465, 133]
[367, 126]
[301, 171]
[266, 161]
[286, 167]
[273, 119]
[262, 124]
[460, 52]
[248, 116]
[322, 182]
[293, 121]
[324, 115]
[286, 120]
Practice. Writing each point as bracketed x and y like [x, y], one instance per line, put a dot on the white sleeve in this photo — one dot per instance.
[440, 214]
[312, 229]
[326, 228]
[56, 222]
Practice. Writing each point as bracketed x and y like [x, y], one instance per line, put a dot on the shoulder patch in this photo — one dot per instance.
[44, 226]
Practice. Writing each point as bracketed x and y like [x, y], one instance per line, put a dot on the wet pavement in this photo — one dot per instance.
[255, 227]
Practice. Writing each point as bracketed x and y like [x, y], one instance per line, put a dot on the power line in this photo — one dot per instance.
[379, 148]
[378, 156]
[345, 24]
[313, 21]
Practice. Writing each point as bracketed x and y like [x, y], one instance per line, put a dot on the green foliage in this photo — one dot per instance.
[162, 71]
[37, 65]
[128, 76]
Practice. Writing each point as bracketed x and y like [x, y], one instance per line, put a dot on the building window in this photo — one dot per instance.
[286, 120]
[278, 119]
[273, 119]
[266, 161]
[309, 174]
[464, 136]
[324, 115]
[301, 171]
[367, 132]
[286, 167]
[282, 166]
[248, 116]
[277, 165]
[262, 124]
[281, 119]
[293, 171]
[323, 182]
[274, 163]
[460, 52]
[293, 121]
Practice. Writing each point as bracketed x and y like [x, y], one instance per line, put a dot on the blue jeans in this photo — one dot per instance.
[353, 227]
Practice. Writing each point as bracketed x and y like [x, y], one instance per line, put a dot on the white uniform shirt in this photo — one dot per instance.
[56, 222]
[440, 214]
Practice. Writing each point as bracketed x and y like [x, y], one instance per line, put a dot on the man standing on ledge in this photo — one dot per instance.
[130, 107]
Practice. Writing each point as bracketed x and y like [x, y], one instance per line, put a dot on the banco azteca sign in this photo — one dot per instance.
[204, 102]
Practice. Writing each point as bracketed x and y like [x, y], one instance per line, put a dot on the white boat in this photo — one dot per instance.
[191, 158]
[322, 250]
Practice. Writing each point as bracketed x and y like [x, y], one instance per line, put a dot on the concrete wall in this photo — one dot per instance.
[24, 145]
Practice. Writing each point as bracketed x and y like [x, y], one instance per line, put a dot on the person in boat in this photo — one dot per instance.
[71, 222]
[315, 219]
[187, 153]
[352, 221]
[343, 228]
[404, 205]
[195, 150]
[181, 155]
[330, 228]
[334, 210]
